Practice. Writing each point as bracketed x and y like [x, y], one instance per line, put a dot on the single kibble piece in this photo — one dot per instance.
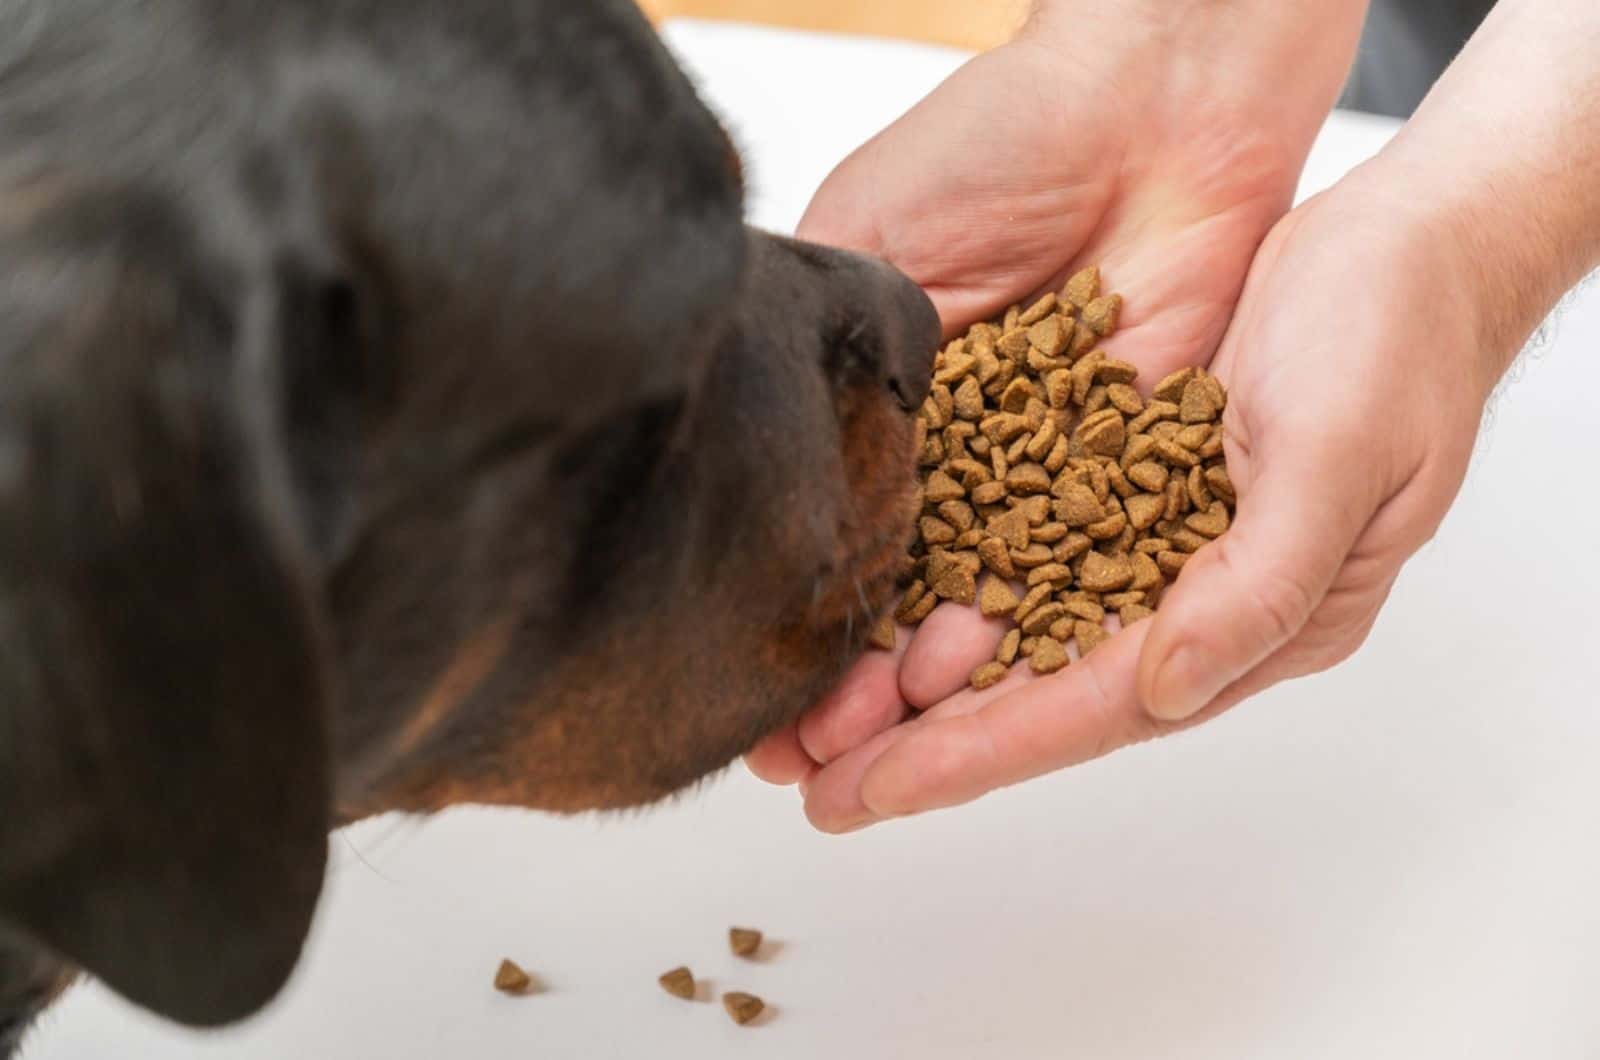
[1046, 472]
[1048, 656]
[679, 983]
[511, 979]
[883, 634]
[742, 1008]
[988, 674]
[744, 941]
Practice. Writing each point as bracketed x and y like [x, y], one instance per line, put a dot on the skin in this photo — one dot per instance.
[1462, 252]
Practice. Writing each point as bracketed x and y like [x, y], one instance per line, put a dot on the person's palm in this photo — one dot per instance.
[1021, 168]
[1025, 165]
[1357, 370]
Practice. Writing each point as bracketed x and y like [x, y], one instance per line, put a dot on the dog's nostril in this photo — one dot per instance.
[900, 395]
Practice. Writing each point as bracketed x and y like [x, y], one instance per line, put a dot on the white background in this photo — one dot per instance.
[1400, 859]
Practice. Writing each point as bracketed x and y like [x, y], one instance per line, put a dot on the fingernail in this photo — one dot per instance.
[1184, 684]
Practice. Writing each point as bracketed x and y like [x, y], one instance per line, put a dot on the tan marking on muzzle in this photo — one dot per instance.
[473, 661]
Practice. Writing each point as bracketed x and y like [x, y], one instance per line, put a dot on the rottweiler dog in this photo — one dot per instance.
[395, 412]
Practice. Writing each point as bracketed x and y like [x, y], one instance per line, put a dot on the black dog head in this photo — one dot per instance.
[394, 412]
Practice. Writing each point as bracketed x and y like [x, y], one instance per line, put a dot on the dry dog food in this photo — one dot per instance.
[679, 983]
[1051, 480]
[742, 1007]
[744, 941]
[511, 979]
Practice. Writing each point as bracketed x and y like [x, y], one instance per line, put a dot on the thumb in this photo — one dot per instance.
[1244, 596]
[841, 214]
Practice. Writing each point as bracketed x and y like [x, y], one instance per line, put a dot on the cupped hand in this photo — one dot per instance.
[1030, 161]
[1357, 376]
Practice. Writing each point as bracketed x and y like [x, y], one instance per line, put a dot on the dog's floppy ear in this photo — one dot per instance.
[164, 760]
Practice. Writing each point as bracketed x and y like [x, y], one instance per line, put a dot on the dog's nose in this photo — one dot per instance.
[911, 341]
[892, 328]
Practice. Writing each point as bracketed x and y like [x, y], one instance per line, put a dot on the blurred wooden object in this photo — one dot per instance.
[973, 24]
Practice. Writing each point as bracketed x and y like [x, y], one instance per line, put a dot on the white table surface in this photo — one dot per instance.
[1398, 859]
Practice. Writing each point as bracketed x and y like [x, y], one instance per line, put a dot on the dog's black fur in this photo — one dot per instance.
[394, 412]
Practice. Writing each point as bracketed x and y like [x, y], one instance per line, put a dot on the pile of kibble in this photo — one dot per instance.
[1044, 465]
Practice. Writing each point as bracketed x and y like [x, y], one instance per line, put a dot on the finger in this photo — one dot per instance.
[1245, 595]
[833, 794]
[779, 759]
[1339, 627]
[1048, 723]
[863, 704]
[951, 643]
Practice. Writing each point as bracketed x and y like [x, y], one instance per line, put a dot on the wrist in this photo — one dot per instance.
[1502, 164]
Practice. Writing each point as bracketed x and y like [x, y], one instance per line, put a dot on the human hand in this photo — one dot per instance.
[1129, 141]
[1358, 364]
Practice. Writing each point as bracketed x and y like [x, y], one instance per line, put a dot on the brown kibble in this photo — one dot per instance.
[1146, 575]
[968, 399]
[1101, 315]
[1113, 372]
[1058, 388]
[509, 978]
[1007, 652]
[914, 592]
[1199, 492]
[1037, 311]
[1089, 635]
[1154, 412]
[1050, 336]
[996, 599]
[1041, 461]
[742, 1008]
[1048, 656]
[1083, 340]
[1076, 504]
[988, 674]
[1016, 395]
[936, 531]
[1026, 479]
[1133, 613]
[1125, 399]
[1217, 478]
[1081, 606]
[744, 942]
[679, 983]
[1211, 523]
[1054, 573]
[1041, 618]
[1071, 547]
[996, 557]
[957, 585]
[1103, 433]
[1031, 600]
[1105, 574]
[883, 634]
[1175, 454]
[1145, 510]
[1172, 387]
[920, 610]
[1082, 288]
[1194, 436]
[1012, 528]
[941, 487]
[989, 493]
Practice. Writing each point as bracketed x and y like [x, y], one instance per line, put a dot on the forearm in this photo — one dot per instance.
[1503, 159]
[1278, 61]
